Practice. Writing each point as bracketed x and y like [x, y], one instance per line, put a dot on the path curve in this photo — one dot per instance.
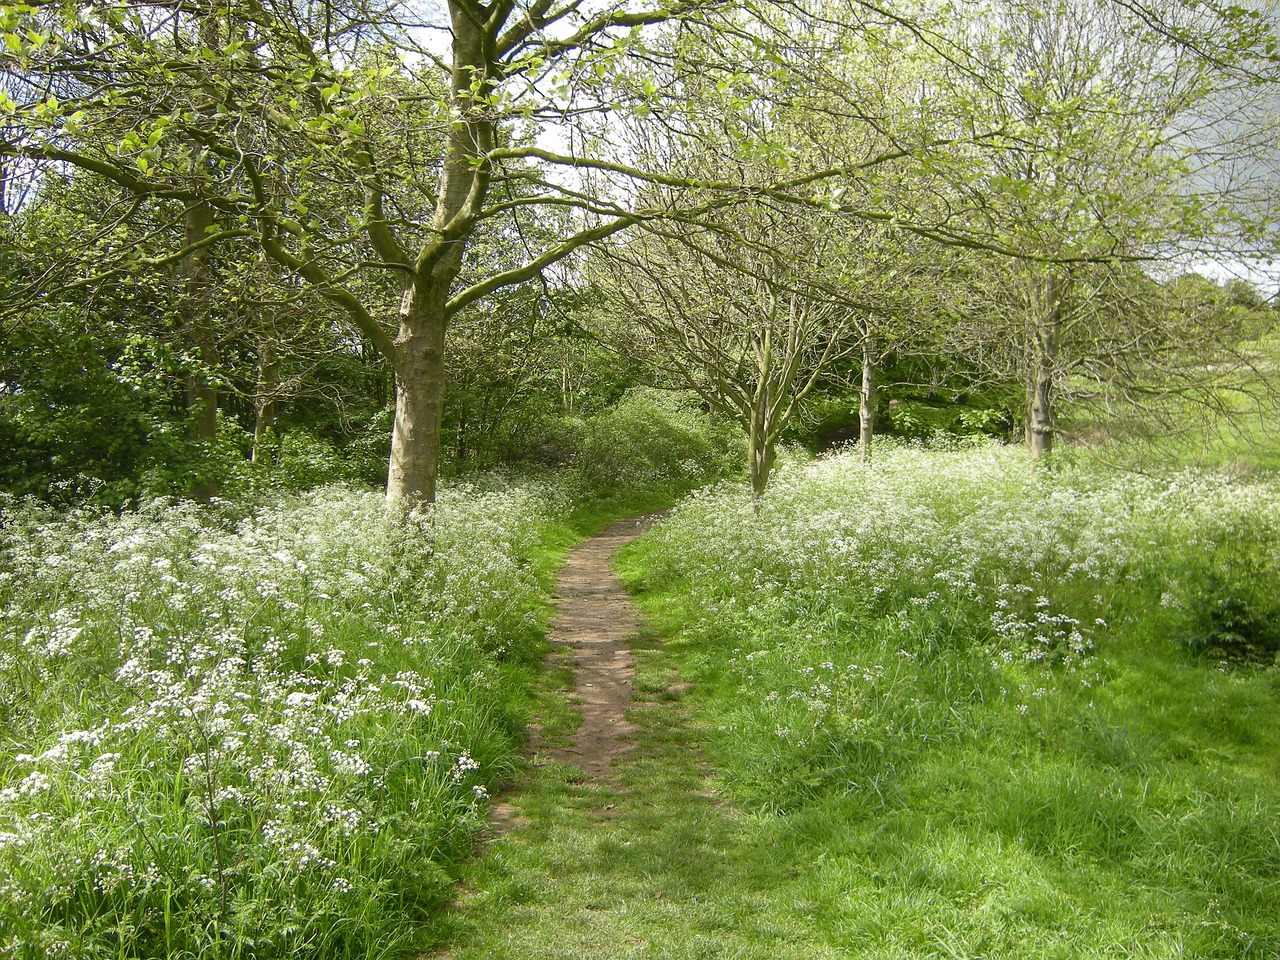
[594, 618]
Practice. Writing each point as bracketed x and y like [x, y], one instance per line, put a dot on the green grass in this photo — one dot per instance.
[1229, 428]
[879, 719]
[601, 508]
[1034, 852]
[657, 865]
[833, 763]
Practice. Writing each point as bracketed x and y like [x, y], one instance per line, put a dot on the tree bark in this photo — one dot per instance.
[1047, 324]
[264, 401]
[202, 392]
[424, 312]
[415, 436]
[761, 435]
[867, 400]
[760, 460]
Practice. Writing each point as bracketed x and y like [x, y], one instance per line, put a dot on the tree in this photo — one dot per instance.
[339, 139]
[235, 113]
[266, 122]
[1104, 161]
[729, 312]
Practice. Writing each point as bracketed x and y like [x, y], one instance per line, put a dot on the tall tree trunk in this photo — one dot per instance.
[202, 393]
[1047, 329]
[867, 399]
[465, 176]
[419, 364]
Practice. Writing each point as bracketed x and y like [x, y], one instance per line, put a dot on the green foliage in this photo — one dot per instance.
[299, 459]
[256, 730]
[1237, 626]
[87, 411]
[944, 663]
[91, 412]
[918, 398]
[919, 419]
[1228, 597]
[655, 439]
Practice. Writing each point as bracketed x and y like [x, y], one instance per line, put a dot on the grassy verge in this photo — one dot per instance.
[973, 712]
[258, 731]
[1231, 428]
[655, 864]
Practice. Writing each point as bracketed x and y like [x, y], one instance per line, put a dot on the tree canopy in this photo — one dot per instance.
[281, 171]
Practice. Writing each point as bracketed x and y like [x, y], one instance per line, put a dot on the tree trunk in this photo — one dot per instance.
[462, 448]
[202, 393]
[419, 364]
[760, 457]
[760, 453]
[465, 176]
[1047, 320]
[264, 401]
[867, 400]
[1039, 412]
[568, 395]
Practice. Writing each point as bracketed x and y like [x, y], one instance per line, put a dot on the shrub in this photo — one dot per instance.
[654, 438]
[1227, 595]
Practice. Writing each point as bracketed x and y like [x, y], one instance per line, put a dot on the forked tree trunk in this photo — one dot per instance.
[760, 459]
[761, 449]
[419, 364]
[867, 400]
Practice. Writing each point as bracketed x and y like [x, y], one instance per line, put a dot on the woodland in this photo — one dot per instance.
[946, 329]
[299, 235]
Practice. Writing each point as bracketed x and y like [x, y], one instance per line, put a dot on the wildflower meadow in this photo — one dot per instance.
[1006, 710]
[267, 731]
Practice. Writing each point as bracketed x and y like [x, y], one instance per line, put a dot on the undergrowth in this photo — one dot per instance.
[256, 731]
[1010, 713]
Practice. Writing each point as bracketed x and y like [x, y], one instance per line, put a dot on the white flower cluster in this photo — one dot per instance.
[924, 551]
[249, 697]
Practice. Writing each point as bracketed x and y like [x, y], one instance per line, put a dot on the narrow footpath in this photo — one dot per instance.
[617, 844]
[594, 621]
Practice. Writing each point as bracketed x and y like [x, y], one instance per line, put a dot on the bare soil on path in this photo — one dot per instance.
[594, 619]
[617, 844]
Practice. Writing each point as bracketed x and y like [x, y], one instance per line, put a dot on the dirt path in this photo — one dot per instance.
[639, 857]
[593, 621]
